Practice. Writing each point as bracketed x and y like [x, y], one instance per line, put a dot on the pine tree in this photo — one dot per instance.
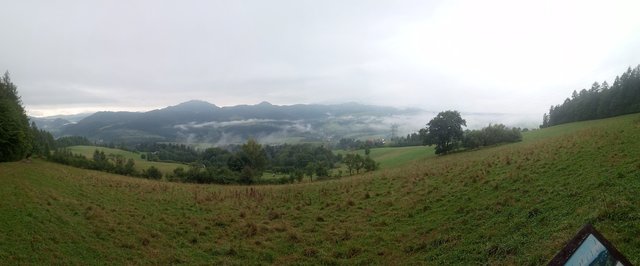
[15, 133]
[600, 101]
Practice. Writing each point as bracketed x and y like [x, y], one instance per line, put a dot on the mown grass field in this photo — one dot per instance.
[140, 164]
[398, 156]
[514, 204]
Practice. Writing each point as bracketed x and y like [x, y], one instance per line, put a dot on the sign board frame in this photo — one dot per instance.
[579, 244]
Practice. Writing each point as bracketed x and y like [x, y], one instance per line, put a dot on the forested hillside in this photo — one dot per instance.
[600, 101]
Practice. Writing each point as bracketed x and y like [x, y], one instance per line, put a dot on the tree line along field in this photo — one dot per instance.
[387, 157]
[140, 164]
[513, 204]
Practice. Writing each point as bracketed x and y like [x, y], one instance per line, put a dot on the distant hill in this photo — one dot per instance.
[203, 122]
[54, 124]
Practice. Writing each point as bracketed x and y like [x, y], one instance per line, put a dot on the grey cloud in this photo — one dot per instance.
[402, 53]
[48, 95]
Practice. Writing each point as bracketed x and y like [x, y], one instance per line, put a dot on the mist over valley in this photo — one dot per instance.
[203, 124]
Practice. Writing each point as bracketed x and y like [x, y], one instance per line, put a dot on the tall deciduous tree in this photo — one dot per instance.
[445, 131]
[256, 155]
[250, 162]
[15, 133]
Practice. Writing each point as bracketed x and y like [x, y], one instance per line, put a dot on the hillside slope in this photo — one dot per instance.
[512, 204]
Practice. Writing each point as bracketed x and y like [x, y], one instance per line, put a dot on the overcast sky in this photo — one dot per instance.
[474, 56]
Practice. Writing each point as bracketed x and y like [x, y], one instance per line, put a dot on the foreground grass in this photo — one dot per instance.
[140, 164]
[512, 204]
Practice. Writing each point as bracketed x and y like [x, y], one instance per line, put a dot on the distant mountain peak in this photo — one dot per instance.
[191, 106]
[196, 103]
[265, 103]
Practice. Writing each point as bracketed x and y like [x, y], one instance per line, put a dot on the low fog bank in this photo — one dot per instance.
[412, 123]
[270, 131]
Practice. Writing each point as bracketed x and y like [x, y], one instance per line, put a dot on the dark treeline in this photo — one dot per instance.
[69, 141]
[490, 135]
[356, 144]
[42, 142]
[299, 159]
[413, 139]
[245, 164]
[167, 152]
[600, 101]
[218, 165]
[251, 161]
[100, 161]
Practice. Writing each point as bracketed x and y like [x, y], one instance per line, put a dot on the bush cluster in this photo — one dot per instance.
[490, 135]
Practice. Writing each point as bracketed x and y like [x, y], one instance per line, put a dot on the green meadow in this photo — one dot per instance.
[140, 164]
[393, 157]
[515, 204]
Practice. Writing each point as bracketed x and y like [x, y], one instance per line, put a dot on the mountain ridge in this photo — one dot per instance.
[204, 122]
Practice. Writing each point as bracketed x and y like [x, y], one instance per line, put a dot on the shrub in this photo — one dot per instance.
[490, 135]
[152, 173]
